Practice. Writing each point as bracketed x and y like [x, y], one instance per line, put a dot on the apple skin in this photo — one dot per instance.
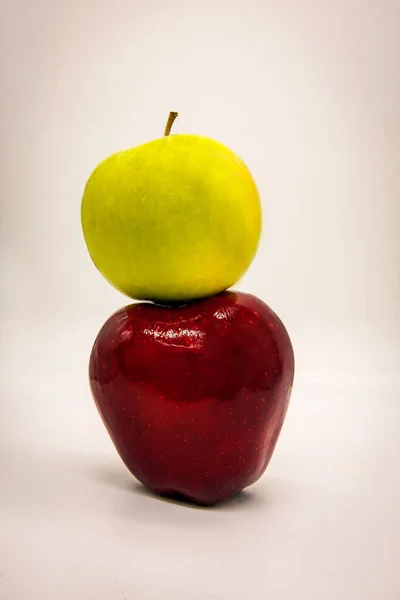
[194, 396]
[172, 220]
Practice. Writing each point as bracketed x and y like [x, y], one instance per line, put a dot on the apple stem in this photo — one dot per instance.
[171, 119]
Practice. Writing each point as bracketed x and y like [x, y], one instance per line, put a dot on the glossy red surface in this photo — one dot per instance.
[194, 397]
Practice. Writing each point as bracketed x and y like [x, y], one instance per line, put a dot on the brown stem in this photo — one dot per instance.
[171, 119]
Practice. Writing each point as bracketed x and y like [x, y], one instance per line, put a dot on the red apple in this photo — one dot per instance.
[194, 397]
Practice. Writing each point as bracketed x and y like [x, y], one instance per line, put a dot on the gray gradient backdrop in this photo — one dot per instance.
[308, 93]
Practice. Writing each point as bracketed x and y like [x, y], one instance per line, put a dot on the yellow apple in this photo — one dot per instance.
[175, 219]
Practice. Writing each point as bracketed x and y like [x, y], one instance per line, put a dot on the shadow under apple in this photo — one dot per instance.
[119, 478]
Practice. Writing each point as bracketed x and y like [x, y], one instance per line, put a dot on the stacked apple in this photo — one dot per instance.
[192, 383]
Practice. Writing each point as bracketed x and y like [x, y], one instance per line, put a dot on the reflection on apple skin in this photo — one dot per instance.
[194, 397]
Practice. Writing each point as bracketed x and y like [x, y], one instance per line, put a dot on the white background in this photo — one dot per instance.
[308, 93]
